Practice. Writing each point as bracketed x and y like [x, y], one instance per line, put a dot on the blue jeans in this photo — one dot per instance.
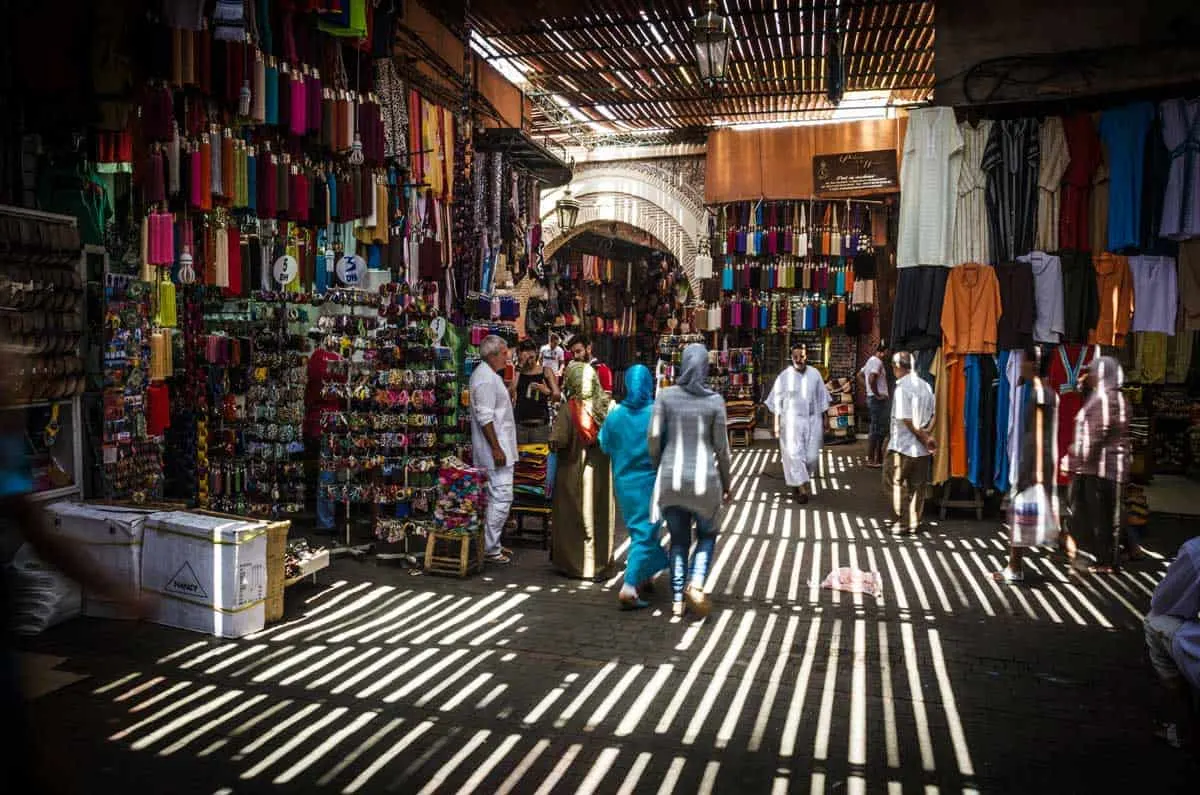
[679, 523]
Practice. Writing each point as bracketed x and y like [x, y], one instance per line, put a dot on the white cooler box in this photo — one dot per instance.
[209, 573]
[112, 537]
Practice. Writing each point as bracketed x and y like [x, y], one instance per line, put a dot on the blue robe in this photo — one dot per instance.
[623, 438]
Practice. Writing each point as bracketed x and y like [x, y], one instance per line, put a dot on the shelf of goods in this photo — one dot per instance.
[42, 322]
[397, 381]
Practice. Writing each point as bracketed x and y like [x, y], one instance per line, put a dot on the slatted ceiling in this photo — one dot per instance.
[626, 66]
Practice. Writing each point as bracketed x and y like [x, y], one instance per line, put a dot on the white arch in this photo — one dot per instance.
[640, 197]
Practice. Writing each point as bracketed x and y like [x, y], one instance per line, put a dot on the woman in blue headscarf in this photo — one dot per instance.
[623, 438]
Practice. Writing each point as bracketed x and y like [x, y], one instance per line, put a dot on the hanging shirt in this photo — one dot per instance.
[1083, 157]
[1003, 402]
[1189, 283]
[1050, 324]
[1155, 294]
[970, 310]
[1114, 286]
[1017, 305]
[1055, 155]
[971, 234]
[1010, 161]
[1181, 201]
[1081, 303]
[1123, 131]
[929, 174]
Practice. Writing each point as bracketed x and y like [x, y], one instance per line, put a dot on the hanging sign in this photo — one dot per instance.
[856, 172]
[350, 269]
[285, 269]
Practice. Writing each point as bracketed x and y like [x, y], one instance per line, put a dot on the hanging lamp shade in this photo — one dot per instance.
[711, 37]
[568, 211]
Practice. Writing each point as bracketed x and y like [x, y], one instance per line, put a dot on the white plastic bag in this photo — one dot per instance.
[41, 596]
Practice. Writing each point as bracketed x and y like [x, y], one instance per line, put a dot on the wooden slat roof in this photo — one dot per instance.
[623, 67]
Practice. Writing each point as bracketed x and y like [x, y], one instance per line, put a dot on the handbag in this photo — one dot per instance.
[1033, 517]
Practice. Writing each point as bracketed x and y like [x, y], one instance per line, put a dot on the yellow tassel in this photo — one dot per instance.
[166, 304]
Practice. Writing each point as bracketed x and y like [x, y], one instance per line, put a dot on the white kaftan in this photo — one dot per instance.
[929, 174]
[799, 400]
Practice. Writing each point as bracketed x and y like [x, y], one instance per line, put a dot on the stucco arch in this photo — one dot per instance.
[608, 228]
[643, 197]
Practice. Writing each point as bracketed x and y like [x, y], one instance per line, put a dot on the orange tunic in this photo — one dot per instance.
[1114, 284]
[959, 467]
[970, 310]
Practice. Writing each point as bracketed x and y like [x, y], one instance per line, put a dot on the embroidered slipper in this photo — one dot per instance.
[632, 603]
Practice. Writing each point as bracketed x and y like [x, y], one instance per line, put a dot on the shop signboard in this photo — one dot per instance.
[856, 172]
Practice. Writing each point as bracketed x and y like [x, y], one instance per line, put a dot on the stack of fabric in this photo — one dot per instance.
[839, 425]
[531, 481]
[461, 498]
[739, 415]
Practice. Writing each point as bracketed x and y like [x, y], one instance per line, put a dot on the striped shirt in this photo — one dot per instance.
[1054, 159]
[1011, 161]
[971, 234]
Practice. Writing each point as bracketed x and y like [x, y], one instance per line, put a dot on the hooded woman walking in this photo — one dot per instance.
[623, 438]
[582, 512]
[688, 442]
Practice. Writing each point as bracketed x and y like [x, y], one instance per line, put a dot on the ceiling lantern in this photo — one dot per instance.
[711, 39]
[568, 211]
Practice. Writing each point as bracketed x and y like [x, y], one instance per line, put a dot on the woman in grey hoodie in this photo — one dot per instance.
[690, 447]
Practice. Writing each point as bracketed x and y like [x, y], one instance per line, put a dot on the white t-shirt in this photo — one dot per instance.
[552, 357]
[913, 401]
[869, 371]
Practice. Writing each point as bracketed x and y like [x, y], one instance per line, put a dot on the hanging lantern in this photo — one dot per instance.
[568, 211]
[711, 39]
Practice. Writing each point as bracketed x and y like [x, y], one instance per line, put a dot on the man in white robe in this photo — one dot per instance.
[799, 401]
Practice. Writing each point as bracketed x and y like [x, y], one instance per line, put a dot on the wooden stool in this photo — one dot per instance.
[740, 437]
[975, 502]
[530, 524]
[456, 554]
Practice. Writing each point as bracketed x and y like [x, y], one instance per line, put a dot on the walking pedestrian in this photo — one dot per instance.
[873, 380]
[1033, 515]
[799, 400]
[1099, 461]
[910, 444]
[623, 436]
[690, 446]
[1173, 642]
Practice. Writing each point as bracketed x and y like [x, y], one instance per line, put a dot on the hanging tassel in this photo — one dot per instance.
[166, 303]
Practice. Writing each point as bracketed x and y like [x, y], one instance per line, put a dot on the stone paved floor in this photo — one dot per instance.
[523, 682]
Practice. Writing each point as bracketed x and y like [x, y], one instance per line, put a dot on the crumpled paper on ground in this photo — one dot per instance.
[854, 581]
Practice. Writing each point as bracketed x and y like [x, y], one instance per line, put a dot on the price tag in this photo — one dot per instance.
[285, 269]
[350, 268]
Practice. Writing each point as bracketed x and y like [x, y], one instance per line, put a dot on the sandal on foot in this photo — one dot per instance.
[1008, 576]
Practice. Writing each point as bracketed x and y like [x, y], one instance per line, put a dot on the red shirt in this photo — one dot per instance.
[318, 374]
[1065, 363]
[1083, 145]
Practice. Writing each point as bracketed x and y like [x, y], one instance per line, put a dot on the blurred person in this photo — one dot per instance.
[624, 438]
[581, 351]
[582, 525]
[690, 446]
[1173, 643]
[1099, 462]
[533, 390]
[1033, 515]
[316, 405]
[24, 521]
[799, 400]
[494, 441]
[910, 444]
[552, 355]
[873, 380]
